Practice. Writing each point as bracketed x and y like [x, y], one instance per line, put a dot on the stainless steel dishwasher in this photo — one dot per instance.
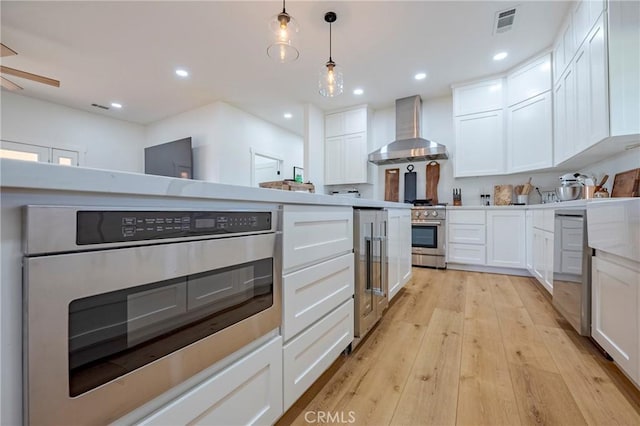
[572, 269]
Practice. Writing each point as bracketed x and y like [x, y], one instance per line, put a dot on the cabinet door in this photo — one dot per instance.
[530, 80]
[393, 247]
[581, 21]
[614, 307]
[583, 99]
[479, 144]
[565, 117]
[469, 254]
[247, 392]
[558, 59]
[355, 121]
[355, 158]
[334, 125]
[405, 247]
[559, 123]
[506, 239]
[568, 39]
[334, 160]
[528, 224]
[530, 135]
[478, 97]
[548, 261]
[538, 254]
[598, 121]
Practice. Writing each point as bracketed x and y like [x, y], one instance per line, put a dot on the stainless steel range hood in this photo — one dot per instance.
[409, 145]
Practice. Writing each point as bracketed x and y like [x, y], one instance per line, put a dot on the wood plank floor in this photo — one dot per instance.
[467, 348]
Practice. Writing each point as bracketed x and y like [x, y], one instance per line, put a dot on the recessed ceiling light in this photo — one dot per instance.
[420, 76]
[358, 91]
[499, 56]
[182, 73]
[116, 105]
[288, 115]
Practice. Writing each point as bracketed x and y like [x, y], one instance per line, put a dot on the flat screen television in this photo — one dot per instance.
[173, 159]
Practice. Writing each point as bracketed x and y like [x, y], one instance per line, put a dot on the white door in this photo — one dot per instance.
[334, 161]
[506, 239]
[479, 144]
[583, 99]
[598, 84]
[355, 158]
[530, 135]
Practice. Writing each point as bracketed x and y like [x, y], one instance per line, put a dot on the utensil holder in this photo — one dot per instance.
[523, 199]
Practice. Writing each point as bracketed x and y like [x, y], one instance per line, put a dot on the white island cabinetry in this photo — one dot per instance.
[399, 249]
[318, 285]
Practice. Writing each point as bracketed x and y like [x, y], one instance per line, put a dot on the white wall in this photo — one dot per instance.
[103, 142]
[222, 138]
[314, 146]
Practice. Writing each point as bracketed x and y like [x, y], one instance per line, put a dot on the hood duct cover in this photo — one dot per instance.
[409, 145]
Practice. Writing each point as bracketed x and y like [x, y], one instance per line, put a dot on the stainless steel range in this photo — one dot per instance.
[428, 227]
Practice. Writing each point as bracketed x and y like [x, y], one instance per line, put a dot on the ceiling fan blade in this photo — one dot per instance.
[33, 77]
[9, 85]
[6, 51]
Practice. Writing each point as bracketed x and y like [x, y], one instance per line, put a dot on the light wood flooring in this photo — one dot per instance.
[467, 348]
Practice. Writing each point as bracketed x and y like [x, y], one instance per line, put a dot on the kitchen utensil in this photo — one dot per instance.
[527, 188]
[603, 193]
[457, 196]
[601, 184]
[625, 184]
[433, 177]
[518, 189]
[392, 185]
[523, 198]
[568, 192]
[588, 191]
[410, 178]
[503, 195]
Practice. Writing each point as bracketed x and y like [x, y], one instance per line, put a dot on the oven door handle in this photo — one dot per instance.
[436, 223]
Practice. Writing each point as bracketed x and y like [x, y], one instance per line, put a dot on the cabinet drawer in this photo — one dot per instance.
[467, 234]
[572, 239]
[246, 392]
[467, 253]
[314, 233]
[311, 293]
[474, 217]
[308, 356]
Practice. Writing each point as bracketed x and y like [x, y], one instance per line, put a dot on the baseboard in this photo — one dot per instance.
[489, 269]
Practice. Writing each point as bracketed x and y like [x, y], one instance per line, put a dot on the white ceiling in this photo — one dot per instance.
[105, 51]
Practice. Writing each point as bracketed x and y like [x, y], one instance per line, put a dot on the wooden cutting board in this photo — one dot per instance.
[433, 176]
[502, 195]
[392, 185]
[625, 184]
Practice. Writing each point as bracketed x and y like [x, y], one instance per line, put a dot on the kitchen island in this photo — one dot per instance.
[322, 216]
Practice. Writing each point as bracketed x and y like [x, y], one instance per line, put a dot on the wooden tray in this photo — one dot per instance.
[288, 185]
[392, 185]
[625, 184]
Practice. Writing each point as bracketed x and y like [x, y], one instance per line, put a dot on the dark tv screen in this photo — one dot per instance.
[170, 159]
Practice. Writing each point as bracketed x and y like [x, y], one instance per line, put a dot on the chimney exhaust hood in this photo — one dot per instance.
[409, 146]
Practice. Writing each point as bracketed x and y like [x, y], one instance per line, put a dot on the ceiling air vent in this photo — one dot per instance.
[99, 106]
[504, 20]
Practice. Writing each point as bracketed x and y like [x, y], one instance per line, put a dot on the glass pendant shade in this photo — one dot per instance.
[331, 82]
[284, 30]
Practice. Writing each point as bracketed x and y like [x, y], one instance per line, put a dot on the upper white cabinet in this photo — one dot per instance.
[346, 137]
[596, 77]
[487, 142]
[530, 80]
[479, 144]
[478, 97]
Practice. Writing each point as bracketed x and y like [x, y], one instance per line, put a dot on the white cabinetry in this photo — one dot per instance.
[466, 242]
[346, 138]
[399, 249]
[478, 97]
[542, 247]
[318, 285]
[479, 144]
[528, 219]
[506, 238]
[529, 134]
[615, 311]
[247, 392]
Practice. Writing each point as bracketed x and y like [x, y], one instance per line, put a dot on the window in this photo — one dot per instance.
[43, 154]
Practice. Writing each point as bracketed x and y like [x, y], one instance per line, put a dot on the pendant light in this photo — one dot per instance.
[330, 83]
[284, 29]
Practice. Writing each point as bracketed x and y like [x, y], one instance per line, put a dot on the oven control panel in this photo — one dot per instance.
[98, 227]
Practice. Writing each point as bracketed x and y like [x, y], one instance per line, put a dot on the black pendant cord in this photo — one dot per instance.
[330, 60]
[283, 7]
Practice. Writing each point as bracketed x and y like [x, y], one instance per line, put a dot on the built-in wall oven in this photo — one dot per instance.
[122, 305]
[428, 226]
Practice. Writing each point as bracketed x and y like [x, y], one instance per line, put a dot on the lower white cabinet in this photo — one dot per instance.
[506, 238]
[399, 249]
[469, 254]
[528, 223]
[615, 325]
[247, 392]
[309, 354]
[542, 261]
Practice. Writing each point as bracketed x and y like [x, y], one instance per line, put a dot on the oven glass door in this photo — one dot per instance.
[425, 236]
[114, 333]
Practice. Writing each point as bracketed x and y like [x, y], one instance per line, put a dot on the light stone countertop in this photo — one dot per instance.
[52, 177]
